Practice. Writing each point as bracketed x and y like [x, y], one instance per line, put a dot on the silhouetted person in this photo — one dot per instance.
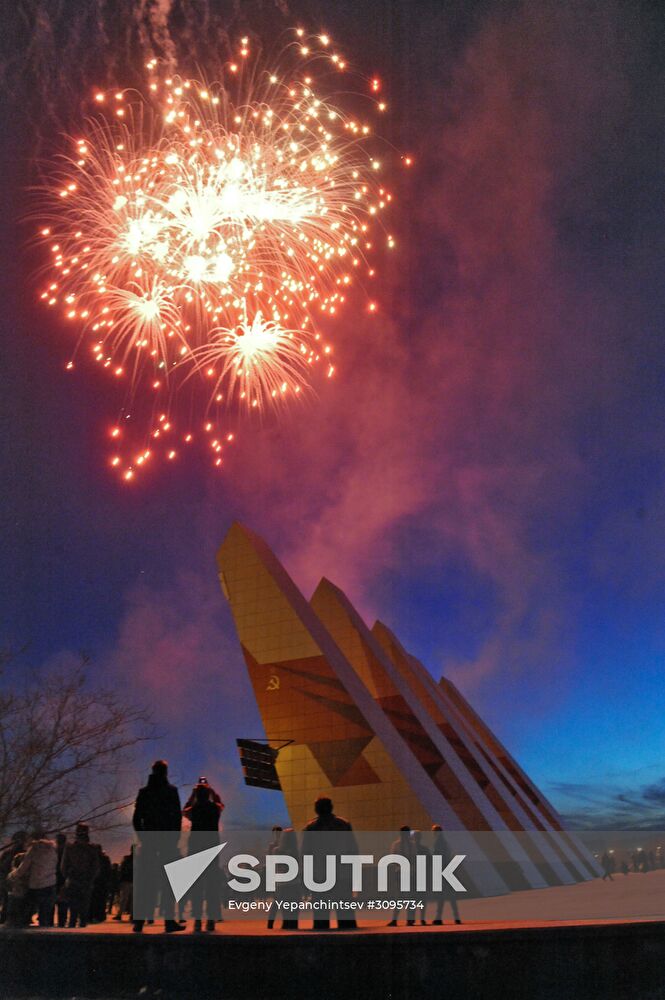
[447, 893]
[287, 892]
[158, 809]
[274, 843]
[157, 803]
[39, 865]
[18, 914]
[421, 896]
[624, 867]
[114, 888]
[203, 813]
[607, 865]
[326, 822]
[16, 846]
[403, 847]
[212, 794]
[80, 867]
[273, 848]
[61, 906]
[126, 878]
[101, 888]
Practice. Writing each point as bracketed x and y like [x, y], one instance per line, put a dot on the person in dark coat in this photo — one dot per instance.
[126, 878]
[212, 794]
[158, 803]
[421, 896]
[287, 892]
[61, 905]
[114, 888]
[203, 813]
[273, 848]
[403, 848]
[203, 810]
[607, 863]
[80, 866]
[447, 894]
[157, 808]
[101, 888]
[326, 821]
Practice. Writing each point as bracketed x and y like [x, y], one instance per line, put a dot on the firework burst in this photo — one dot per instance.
[258, 362]
[199, 234]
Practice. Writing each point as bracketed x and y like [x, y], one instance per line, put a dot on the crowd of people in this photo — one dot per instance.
[410, 844]
[71, 883]
[58, 882]
[639, 860]
[158, 809]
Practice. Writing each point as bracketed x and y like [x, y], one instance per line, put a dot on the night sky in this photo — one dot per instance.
[486, 472]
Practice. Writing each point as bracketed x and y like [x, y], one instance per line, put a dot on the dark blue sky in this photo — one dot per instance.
[487, 471]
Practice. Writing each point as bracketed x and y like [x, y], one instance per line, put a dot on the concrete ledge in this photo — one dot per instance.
[609, 961]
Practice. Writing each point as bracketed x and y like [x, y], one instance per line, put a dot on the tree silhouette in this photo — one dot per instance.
[63, 747]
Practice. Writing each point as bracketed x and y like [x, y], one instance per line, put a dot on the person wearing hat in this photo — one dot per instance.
[213, 795]
[203, 814]
[79, 865]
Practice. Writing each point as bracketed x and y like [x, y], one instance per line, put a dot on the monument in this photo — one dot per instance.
[361, 720]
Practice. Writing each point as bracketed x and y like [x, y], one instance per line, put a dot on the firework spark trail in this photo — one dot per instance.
[204, 230]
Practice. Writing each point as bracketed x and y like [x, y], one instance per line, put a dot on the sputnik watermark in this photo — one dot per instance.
[278, 869]
[234, 869]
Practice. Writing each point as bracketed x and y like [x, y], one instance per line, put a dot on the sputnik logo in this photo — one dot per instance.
[182, 874]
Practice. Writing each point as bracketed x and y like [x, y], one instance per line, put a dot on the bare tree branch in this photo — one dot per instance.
[62, 745]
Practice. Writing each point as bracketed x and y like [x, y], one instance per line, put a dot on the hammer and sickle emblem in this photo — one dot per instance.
[273, 683]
